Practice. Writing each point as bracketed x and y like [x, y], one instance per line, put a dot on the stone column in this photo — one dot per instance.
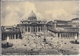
[65, 35]
[17, 36]
[14, 36]
[34, 29]
[40, 28]
[72, 35]
[61, 35]
[37, 28]
[24, 28]
[30, 28]
[68, 35]
[27, 28]
[56, 34]
[9, 36]
[2, 36]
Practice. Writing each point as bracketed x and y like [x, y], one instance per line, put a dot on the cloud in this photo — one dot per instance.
[11, 19]
[59, 14]
[14, 14]
[26, 9]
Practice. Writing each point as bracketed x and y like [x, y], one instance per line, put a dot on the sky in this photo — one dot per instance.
[14, 12]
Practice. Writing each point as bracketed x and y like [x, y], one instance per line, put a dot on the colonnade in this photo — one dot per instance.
[33, 28]
[11, 36]
[66, 35]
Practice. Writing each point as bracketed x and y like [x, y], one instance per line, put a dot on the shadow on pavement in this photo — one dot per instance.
[6, 45]
[74, 42]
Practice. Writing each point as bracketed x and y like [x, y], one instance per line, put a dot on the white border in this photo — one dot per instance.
[40, 1]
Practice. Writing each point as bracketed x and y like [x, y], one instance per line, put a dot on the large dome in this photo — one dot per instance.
[32, 16]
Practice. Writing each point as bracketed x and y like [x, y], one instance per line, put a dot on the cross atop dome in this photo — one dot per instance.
[32, 11]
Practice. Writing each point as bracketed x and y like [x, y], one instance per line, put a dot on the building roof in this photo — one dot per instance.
[66, 31]
[62, 21]
[75, 19]
[50, 23]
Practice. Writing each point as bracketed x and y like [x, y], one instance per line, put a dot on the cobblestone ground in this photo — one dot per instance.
[35, 44]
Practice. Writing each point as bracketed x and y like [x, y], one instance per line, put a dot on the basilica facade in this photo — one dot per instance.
[31, 24]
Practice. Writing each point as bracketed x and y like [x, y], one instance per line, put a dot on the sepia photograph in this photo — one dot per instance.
[40, 27]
